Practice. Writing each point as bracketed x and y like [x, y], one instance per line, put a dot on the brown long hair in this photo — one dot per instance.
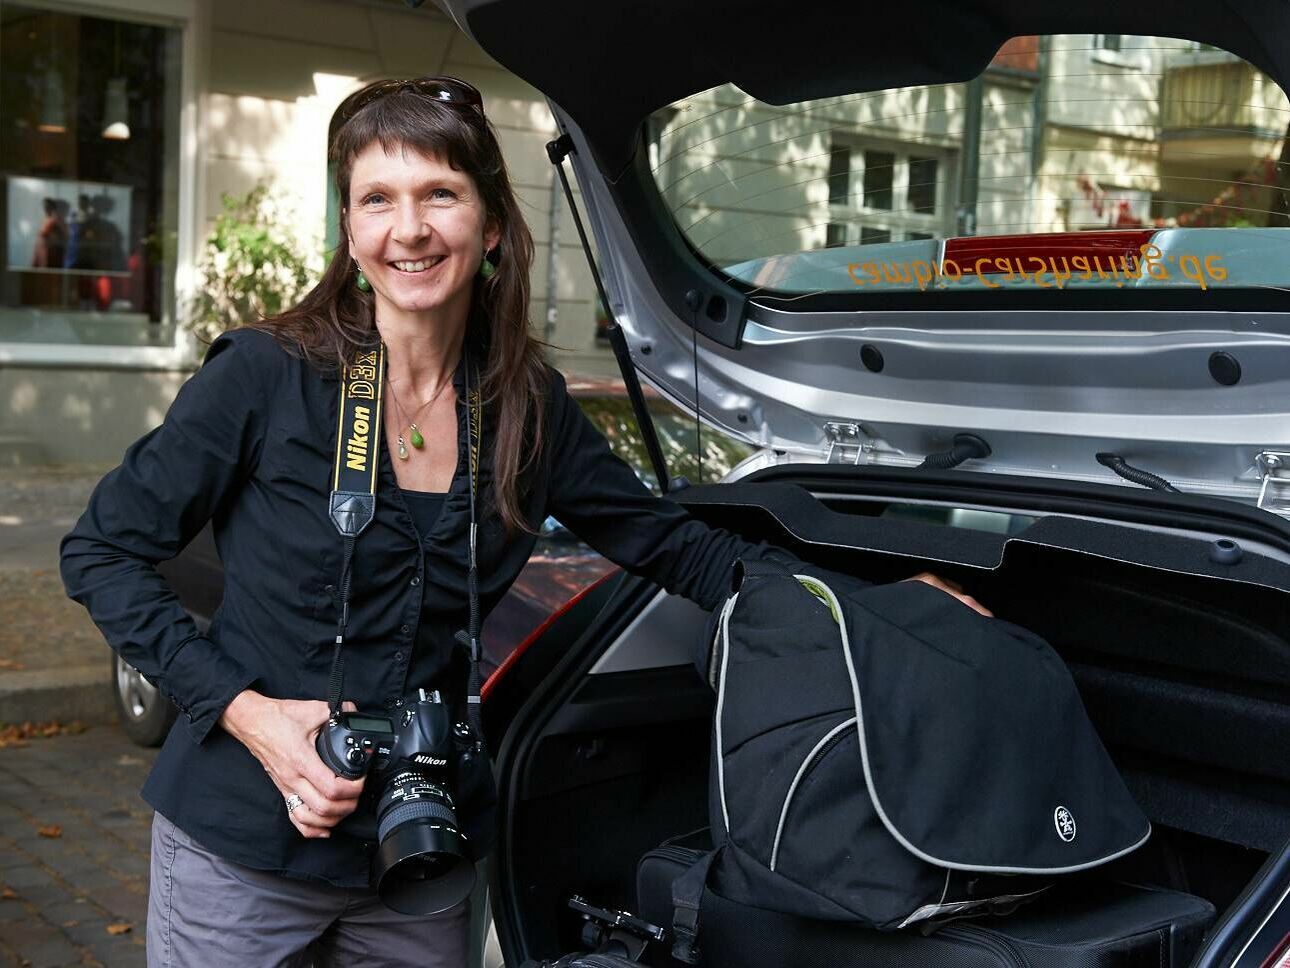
[335, 319]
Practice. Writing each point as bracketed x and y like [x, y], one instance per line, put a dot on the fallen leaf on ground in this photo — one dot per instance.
[121, 927]
[11, 664]
[16, 735]
[8, 894]
[50, 830]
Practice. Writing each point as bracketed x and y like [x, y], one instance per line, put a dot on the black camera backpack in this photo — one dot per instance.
[885, 755]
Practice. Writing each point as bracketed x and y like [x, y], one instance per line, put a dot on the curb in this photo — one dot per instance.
[77, 692]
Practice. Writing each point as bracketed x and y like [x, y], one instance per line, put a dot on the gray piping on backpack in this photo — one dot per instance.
[721, 702]
[873, 792]
[957, 908]
[717, 651]
[792, 788]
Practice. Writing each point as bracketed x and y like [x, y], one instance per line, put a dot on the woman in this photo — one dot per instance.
[246, 869]
[50, 239]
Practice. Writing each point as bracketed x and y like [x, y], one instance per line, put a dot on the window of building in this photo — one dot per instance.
[1120, 50]
[883, 194]
[878, 170]
[89, 148]
[1193, 141]
[839, 174]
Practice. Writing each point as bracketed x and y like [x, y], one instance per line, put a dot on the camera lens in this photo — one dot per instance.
[421, 864]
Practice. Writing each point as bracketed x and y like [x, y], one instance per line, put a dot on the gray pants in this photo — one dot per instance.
[207, 911]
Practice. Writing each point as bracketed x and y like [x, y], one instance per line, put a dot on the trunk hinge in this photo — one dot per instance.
[557, 151]
[1274, 474]
[846, 446]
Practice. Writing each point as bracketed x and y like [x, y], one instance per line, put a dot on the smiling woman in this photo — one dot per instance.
[414, 230]
[423, 314]
[431, 226]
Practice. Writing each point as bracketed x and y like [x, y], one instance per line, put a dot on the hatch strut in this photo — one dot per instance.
[557, 151]
[1134, 474]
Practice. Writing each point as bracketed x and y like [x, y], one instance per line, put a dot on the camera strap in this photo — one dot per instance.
[474, 434]
[352, 503]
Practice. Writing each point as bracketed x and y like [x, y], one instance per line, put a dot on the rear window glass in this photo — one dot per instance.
[1074, 161]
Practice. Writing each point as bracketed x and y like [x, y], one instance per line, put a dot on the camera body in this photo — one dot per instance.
[412, 758]
[419, 735]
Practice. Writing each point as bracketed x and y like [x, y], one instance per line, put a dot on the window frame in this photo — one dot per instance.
[1131, 59]
[901, 221]
[192, 20]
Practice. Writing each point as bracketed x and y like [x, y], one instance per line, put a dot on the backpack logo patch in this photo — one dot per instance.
[1065, 824]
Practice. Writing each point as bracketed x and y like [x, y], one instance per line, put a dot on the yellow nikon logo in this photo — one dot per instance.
[356, 444]
[362, 377]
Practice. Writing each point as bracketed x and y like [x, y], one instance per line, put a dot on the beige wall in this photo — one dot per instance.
[279, 68]
[80, 415]
[269, 75]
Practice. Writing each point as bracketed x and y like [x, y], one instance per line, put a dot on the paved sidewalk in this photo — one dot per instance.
[78, 898]
[53, 662]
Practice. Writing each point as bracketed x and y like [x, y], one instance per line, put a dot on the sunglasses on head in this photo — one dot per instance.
[446, 90]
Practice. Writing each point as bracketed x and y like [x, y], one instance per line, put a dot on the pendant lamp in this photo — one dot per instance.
[116, 104]
[53, 111]
[116, 111]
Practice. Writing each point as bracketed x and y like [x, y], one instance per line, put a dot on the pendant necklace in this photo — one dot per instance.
[414, 435]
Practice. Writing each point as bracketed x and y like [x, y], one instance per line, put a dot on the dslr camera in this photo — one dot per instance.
[412, 757]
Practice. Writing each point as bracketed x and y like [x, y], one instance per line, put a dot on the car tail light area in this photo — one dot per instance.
[1280, 957]
[993, 254]
[518, 652]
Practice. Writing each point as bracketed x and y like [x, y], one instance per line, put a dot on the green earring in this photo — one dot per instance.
[362, 283]
[486, 268]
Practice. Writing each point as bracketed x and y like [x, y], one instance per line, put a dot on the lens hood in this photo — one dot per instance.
[422, 867]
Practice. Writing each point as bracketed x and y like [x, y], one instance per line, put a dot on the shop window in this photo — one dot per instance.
[89, 125]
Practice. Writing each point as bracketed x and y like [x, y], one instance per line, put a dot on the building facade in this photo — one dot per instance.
[125, 123]
[105, 226]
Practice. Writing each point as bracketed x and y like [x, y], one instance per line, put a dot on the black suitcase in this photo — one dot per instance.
[1087, 924]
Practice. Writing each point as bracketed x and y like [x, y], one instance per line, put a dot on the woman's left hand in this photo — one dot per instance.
[952, 588]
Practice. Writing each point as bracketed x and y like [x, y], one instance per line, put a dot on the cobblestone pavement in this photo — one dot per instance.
[78, 898]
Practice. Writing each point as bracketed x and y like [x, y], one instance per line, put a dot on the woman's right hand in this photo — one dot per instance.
[280, 734]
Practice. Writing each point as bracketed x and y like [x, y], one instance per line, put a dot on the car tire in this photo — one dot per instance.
[145, 714]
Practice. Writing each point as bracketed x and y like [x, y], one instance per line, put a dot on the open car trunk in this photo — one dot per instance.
[1170, 612]
[739, 172]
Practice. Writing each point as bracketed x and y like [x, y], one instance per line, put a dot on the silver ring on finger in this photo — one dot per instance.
[294, 801]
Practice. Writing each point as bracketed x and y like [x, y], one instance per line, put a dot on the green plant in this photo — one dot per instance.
[252, 265]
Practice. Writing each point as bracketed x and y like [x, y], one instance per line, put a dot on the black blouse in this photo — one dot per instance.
[424, 506]
[248, 442]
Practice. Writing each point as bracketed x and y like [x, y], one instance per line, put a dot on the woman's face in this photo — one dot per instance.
[418, 230]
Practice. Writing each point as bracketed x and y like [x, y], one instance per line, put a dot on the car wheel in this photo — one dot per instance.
[146, 715]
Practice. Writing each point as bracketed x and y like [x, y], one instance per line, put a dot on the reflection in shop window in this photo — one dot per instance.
[89, 140]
